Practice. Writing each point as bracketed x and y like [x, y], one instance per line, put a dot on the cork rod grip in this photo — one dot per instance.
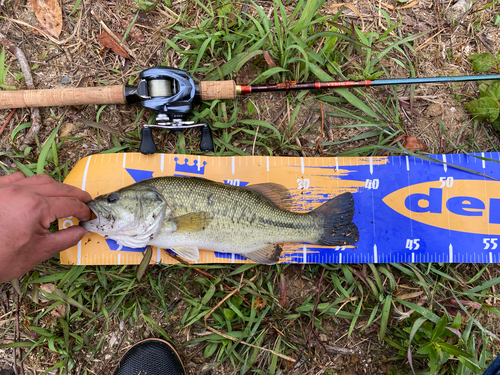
[62, 97]
[210, 90]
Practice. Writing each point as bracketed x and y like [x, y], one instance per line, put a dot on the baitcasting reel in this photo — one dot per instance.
[170, 93]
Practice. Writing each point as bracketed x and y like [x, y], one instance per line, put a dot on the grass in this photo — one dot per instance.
[426, 318]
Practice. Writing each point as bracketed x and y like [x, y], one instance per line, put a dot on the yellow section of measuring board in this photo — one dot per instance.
[306, 178]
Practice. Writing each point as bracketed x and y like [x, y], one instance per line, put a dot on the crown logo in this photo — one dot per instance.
[186, 168]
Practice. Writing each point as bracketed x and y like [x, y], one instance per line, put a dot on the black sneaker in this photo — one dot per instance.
[151, 357]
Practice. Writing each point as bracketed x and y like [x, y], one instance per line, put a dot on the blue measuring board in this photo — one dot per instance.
[415, 210]
[439, 208]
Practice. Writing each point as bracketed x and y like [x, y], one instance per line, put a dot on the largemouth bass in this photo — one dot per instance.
[187, 213]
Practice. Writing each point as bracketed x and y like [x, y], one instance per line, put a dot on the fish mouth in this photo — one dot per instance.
[98, 214]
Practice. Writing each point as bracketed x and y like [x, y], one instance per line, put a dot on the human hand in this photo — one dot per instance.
[27, 208]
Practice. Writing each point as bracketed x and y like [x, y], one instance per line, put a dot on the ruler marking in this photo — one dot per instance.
[199, 163]
[450, 250]
[162, 162]
[375, 254]
[373, 213]
[491, 257]
[304, 254]
[408, 164]
[232, 164]
[371, 164]
[158, 253]
[340, 258]
[232, 257]
[444, 165]
[413, 257]
[84, 179]
[483, 161]
[267, 163]
[302, 165]
[79, 254]
[119, 259]
[337, 163]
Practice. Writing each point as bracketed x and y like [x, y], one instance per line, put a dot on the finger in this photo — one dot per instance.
[12, 178]
[62, 240]
[62, 190]
[61, 207]
[39, 179]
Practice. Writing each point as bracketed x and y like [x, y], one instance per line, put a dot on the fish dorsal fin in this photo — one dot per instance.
[275, 193]
[193, 222]
[267, 254]
[190, 253]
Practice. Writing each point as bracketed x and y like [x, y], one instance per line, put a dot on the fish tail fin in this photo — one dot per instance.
[337, 214]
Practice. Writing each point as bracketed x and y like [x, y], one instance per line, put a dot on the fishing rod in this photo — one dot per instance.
[171, 94]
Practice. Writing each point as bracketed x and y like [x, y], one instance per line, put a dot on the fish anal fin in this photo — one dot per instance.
[267, 254]
[275, 193]
[193, 222]
[190, 253]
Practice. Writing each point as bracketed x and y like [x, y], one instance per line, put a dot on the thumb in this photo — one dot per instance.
[64, 239]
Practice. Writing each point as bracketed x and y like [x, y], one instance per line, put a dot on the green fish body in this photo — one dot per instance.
[186, 214]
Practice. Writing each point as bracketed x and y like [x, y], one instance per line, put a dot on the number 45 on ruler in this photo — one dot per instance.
[413, 244]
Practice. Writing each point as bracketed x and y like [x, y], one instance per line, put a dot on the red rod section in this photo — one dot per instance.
[292, 85]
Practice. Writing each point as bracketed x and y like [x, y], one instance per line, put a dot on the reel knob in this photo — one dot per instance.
[206, 143]
[147, 146]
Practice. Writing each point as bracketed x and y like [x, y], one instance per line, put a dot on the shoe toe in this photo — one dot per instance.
[151, 357]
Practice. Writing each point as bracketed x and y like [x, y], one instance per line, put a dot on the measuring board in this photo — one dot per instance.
[407, 209]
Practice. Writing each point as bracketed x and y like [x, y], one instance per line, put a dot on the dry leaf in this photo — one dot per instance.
[259, 303]
[351, 7]
[66, 129]
[410, 295]
[269, 59]
[49, 14]
[108, 42]
[135, 33]
[59, 311]
[413, 144]
[48, 288]
[409, 5]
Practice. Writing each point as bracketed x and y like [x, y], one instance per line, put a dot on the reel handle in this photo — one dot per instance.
[147, 146]
[206, 143]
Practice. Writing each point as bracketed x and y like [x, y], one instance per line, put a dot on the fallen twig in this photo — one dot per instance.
[25, 68]
[7, 120]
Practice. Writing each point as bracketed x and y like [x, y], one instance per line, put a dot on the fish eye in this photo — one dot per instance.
[112, 198]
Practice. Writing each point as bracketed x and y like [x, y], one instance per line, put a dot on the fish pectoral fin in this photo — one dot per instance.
[193, 222]
[267, 254]
[187, 252]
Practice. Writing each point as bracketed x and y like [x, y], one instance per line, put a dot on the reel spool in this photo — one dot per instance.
[170, 93]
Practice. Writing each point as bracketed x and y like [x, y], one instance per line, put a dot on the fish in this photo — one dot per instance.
[186, 214]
